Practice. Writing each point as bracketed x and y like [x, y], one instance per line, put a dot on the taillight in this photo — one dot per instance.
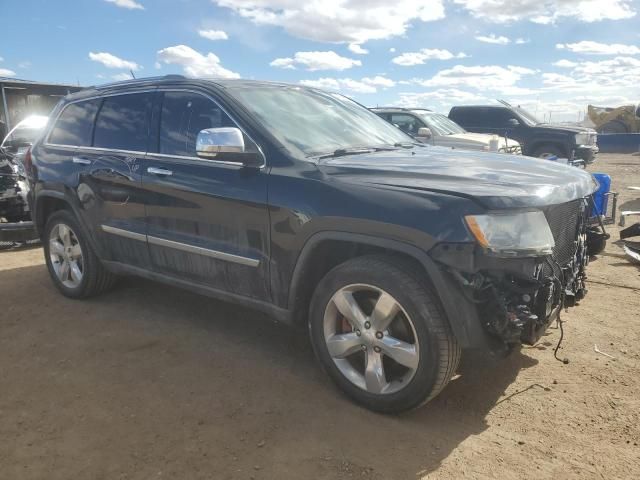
[28, 162]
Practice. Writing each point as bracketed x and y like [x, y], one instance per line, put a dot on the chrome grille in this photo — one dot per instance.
[564, 220]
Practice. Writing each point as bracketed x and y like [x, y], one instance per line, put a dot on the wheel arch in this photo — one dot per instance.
[538, 144]
[48, 202]
[325, 250]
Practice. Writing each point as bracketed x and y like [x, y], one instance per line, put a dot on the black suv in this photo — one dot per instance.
[308, 206]
[536, 139]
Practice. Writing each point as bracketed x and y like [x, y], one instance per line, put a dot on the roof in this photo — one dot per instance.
[173, 80]
[399, 109]
[10, 81]
[481, 106]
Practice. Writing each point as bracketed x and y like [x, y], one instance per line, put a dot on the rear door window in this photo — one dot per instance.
[183, 115]
[75, 124]
[123, 122]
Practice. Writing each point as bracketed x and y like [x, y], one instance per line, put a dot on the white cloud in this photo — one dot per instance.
[314, 61]
[392, 50]
[111, 61]
[338, 84]
[121, 76]
[287, 63]
[604, 77]
[596, 48]
[549, 11]
[564, 63]
[379, 81]
[213, 34]
[194, 63]
[338, 21]
[24, 64]
[157, 65]
[5, 72]
[128, 4]
[357, 49]
[492, 38]
[418, 58]
[490, 77]
[522, 41]
[444, 97]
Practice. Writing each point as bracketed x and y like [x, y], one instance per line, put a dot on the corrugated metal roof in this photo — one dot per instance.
[20, 81]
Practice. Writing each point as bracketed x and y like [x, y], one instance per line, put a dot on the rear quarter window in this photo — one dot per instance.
[75, 124]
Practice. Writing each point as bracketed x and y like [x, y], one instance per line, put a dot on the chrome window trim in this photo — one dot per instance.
[96, 149]
[124, 233]
[194, 159]
[163, 155]
[161, 242]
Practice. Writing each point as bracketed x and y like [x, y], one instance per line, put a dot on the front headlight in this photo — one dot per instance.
[522, 234]
[583, 139]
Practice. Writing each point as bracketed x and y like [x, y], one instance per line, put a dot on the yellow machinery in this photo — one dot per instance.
[625, 119]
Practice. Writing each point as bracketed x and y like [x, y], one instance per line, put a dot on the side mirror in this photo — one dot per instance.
[226, 144]
[512, 122]
[424, 132]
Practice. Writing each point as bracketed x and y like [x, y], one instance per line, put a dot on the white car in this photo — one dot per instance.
[436, 129]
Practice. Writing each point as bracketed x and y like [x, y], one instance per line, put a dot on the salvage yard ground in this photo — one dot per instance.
[150, 382]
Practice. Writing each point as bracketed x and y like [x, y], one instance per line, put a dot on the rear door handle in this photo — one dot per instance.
[159, 171]
[81, 160]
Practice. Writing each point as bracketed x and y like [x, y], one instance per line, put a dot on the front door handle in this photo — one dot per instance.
[159, 171]
[81, 160]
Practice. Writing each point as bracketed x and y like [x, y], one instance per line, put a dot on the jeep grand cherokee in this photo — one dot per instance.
[306, 205]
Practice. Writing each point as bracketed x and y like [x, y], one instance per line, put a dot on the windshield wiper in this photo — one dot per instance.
[404, 144]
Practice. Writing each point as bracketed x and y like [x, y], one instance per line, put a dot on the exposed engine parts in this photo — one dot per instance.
[516, 306]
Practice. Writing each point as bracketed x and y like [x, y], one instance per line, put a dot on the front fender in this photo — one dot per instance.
[460, 313]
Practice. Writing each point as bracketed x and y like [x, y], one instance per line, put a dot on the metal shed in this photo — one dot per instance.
[20, 98]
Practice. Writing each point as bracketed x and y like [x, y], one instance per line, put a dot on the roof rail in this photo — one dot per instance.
[134, 81]
[404, 109]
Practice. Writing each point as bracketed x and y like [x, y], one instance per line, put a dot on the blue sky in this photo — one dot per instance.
[552, 56]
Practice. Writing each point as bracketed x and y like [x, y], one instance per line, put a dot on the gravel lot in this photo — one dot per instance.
[148, 382]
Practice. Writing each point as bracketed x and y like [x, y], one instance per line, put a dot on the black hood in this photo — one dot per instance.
[496, 181]
[564, 128]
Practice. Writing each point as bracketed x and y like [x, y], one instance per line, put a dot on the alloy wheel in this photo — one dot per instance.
[66, 255]
[371, 339]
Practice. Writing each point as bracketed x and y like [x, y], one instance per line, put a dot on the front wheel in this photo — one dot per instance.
[379, 332]
[548, 151]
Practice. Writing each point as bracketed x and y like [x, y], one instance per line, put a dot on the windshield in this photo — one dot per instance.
[441, 125]
[529, 118]
[310, 122]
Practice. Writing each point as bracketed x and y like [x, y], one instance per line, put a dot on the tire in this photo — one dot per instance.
[418, 323]
[93, 278]
[546, 151]
[613, 126]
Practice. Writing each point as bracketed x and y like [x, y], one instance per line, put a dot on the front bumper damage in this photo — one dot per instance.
[516, 299]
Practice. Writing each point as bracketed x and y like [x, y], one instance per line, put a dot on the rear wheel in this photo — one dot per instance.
[379, 333]
[73, 266]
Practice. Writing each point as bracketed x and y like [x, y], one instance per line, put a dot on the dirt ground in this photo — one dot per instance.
[148, 382]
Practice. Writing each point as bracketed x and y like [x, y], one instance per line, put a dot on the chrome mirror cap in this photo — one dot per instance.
[212, 141]
[424, 132]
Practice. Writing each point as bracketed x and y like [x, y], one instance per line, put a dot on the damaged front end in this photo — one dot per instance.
[517, 298]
